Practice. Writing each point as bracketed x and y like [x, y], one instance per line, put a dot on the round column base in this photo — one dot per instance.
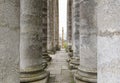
[85, 77]
[51, 52]
[32, 77]
[47, 57]
[70, 54]
[73, 64]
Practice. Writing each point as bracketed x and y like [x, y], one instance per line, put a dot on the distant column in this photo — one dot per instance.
[31, 62]
[55, 24]
[75, 31]
[62, 37]
[9, 41]
[50, 30]
[69, 22]
[44, 30]
[57, 20]
[87, 70]
[108, 21]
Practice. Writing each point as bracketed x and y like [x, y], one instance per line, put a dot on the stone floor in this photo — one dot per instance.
[59, 69]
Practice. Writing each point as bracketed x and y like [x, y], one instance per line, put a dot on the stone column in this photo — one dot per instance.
[76, 26]
[69, 27]
[108, 21]
[9, 41]
[44, 30]
[69, 22]
[55, 24]
[50, 30]
[31, 62]
[87, 71]
[57, 28]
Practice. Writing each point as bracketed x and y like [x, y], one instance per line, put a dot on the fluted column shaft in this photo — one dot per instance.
[31, 62]
[76, 26]
[55, 23]
[44, 30]
[108, 21]
[57, 20]
[69, 22]
[50, 30]
[9, 41]
[44, 26]
[69, 27]
[87, 71]
[74, 62]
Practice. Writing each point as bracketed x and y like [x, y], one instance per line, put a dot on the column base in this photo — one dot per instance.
[47, 57]
[35, 78]
[73, 63]
[58, 49]
[34, 73]
[70, 54]
[85, 77]
[51, 52]
[45, 80]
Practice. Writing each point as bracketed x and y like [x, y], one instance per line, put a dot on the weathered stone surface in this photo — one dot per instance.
[69, 22]
[31, 62]
[108, 21]
[75, 32]
[44, 31]
[55, 24]
[50, 31]
[9, 41]
[88, 42]
[76, 26]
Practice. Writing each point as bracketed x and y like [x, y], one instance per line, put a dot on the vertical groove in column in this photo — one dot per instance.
[87, 71]
[31, 62]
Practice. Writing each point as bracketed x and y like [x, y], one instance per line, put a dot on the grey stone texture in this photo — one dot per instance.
[69, 22]
[44, 26]
[31, 62]
[50, 31]
[53, 26]
[74, 62]
[44, 31]
[9, 41]
[55, 23]
[108, 22]
[87, 71]
[76, 26]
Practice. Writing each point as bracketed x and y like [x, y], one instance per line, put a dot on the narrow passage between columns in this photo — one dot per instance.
[59, 72]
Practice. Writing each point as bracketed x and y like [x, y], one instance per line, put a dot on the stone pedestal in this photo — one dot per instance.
[87, 70]
[108, 21]
[9, 41]
[31, 62]
[44, 30]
